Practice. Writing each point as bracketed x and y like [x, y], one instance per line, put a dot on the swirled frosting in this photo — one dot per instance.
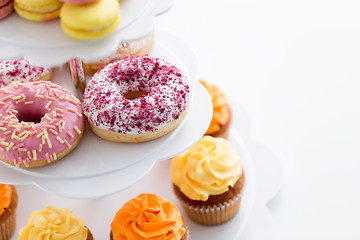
[5, 197]
[210, 167]
[53, 224]
[148, 216]
[221, 113]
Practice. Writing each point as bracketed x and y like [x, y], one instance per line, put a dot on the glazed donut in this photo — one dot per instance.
[138, 47]
[40, 122]
[22, 70]
[136, 99]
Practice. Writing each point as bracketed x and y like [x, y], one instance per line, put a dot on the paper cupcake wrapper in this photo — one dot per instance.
[213, 215]
[7, 227]
[187, 237]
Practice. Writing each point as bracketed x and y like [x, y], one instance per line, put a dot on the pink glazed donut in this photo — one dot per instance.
[136, 99]
[40, 122]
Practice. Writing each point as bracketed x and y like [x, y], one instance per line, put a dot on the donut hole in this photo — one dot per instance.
[29, 115]
[135, 94]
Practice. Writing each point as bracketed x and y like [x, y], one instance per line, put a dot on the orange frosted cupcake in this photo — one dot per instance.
[8, 204]
[54, 223]
[221, 111]
[208, 180]
[148, 217]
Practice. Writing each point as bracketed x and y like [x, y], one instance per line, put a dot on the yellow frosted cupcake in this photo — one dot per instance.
[55, 224]
[221, 111]
[8, 205]
[148, 217]
[208, 180]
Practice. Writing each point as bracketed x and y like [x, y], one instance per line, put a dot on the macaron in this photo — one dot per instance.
[78, 1]
[90, 21]
[38, 10]
[6, 7]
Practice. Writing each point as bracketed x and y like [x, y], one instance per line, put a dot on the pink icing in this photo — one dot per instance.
[37, 120]
[166, 95]
[20, 70]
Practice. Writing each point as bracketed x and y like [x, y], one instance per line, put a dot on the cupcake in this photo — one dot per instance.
[8, 204]
[148, 216]
[55, 223]
[208, 179]
[221, 111]
[138, 47]
[22, 70]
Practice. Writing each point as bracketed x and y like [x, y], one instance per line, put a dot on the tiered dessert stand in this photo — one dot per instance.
[99, 168]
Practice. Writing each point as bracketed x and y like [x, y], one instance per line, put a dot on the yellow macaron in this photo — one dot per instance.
[90, 21]
[38, 10]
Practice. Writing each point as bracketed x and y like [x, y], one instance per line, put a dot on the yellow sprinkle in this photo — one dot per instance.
[14, 111]
[34, 154]
[48, 142]
[22, 133]
[46, 135]
[10, 146]
[2, 128]
[54, 113]
[29, 102]
[60, 140]
[26, 135]
[4, 143]
[39, 96]
[65, 90]
[54, 156]
[4, 90]
[47, 117]
[13, 135]
[40, 134]
[17, 98]
[77, 130]
[10, 116]
[73, 102]
[48, 104]
[78, 114]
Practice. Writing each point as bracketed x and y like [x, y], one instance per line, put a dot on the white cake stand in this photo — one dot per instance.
[44, 43]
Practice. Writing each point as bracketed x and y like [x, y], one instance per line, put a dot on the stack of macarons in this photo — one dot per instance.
[80, 19]
[6, 7]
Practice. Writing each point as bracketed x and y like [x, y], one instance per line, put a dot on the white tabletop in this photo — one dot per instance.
[294, 66]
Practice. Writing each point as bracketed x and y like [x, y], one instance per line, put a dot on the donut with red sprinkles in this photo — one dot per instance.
[22, 70]
[136, 99]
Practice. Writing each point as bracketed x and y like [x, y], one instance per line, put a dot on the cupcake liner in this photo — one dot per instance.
[186, 236]
[7, 226]
[213, 214]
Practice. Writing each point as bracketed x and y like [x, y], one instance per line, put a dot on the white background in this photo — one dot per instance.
[294, 66]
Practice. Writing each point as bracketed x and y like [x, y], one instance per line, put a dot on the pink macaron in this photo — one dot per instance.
[6, 7]
[78, 1]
